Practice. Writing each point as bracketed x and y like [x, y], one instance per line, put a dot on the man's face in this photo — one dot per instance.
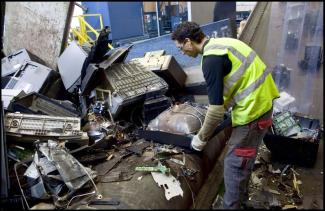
[187, 47]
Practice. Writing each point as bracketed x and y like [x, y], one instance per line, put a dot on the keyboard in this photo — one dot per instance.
[130, 82]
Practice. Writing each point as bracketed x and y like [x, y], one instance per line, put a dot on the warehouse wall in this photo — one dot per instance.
[37, 26]
[266, 32]
[202, 12]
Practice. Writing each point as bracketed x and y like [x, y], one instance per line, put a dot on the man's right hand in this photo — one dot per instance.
[197, 144]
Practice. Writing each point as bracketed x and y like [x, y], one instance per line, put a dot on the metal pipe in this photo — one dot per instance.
[189, 11]
[84, 9]
[157, 14]
[22, 192]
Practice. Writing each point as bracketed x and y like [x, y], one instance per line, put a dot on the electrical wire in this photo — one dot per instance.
[97, 192]
[110, 116]
[22, 192]
[85, 194]
[192, 194]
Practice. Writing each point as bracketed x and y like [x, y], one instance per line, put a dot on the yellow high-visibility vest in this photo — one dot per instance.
[249, 88]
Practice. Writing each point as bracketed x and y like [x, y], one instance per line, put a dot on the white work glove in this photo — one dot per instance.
[197, 144]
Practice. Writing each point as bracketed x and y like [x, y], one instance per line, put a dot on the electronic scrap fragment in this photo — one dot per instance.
[170, 184]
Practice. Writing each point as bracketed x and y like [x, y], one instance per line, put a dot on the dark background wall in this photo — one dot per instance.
[223, 10]
[2, 25]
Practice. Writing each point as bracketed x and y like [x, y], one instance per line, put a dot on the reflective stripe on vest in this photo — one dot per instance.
[245, 63]
[238, 97]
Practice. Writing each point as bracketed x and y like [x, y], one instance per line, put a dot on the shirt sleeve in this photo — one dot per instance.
[214, 69]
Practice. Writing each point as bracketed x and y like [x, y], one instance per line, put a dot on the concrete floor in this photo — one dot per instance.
[312, 179]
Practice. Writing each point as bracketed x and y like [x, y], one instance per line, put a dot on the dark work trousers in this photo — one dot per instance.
[239, 160]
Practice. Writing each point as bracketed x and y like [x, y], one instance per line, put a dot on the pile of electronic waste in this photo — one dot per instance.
[60, 125]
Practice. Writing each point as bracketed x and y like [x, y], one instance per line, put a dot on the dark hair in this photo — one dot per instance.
[189, 30]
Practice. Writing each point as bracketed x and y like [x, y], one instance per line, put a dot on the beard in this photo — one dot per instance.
[194, 55]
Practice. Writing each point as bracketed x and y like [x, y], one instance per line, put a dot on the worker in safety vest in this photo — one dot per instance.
[236, 79]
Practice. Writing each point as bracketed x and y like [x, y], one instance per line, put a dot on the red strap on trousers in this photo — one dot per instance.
[245, 152]
[261, 124]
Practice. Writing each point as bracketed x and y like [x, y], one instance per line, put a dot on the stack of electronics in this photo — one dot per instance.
[127, 83]
[28, 81]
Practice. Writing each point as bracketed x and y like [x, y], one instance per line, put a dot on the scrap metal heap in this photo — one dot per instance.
[105, 133]
[85, 142]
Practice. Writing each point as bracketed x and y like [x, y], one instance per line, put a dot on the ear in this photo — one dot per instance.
[188, 43]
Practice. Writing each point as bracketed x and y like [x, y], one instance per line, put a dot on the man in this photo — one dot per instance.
[236, 79]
